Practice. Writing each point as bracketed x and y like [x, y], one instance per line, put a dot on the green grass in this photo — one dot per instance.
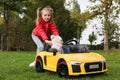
[14, 66]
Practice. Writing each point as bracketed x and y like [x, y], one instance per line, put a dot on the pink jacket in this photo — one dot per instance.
[44, 29]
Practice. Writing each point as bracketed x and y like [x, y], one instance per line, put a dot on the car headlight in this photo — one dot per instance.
[104, 61]
[104, 64]
[75, 63]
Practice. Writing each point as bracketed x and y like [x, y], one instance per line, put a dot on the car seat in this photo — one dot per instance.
[74, 49]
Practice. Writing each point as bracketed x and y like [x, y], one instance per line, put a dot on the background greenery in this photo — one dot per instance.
[15, 32]
[14, 66]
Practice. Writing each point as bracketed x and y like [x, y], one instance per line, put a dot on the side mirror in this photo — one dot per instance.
[53, 50]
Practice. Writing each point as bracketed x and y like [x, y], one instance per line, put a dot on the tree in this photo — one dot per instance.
[78, 18]
[92, 38]
[106, 11]
[8, 9]
[114, 34]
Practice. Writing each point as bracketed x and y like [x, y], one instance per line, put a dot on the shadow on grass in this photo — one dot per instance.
[90, 75]
[81, 77]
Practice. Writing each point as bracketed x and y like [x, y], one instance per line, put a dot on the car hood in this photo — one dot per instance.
[84, 57]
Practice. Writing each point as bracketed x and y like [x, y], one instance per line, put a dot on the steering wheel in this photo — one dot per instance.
[71, 42]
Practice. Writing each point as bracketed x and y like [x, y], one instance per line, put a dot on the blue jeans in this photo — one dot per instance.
[38, 42]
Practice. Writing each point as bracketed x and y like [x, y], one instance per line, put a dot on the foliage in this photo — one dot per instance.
[21, 29]
[10, 10]
[96, 47]
[17, 32]
[107, 11]
[78, 18]
[114, 45]
[92, 38]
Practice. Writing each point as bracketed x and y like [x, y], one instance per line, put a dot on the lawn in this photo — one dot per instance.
[14, 66]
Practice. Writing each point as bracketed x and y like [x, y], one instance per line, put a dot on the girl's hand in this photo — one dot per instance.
[48, 42]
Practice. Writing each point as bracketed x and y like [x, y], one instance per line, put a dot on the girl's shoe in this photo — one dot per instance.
[32, 64]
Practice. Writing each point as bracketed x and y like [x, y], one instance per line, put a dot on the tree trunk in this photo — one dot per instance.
[106, 45]
[2, 42]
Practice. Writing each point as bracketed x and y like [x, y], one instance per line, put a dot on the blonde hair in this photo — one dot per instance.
[39, 12]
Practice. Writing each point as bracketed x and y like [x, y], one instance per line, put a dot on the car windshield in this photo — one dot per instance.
[74, 49]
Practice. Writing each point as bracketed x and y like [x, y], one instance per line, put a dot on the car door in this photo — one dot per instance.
[50, 62]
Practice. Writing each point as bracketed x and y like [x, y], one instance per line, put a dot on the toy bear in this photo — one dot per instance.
[56, 42]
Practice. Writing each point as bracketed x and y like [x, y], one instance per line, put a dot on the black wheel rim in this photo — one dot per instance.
[39, 67]
[63, 70]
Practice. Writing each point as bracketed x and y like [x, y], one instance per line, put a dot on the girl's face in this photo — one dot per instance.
[46, 15]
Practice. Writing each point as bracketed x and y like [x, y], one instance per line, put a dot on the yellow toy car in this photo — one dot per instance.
[74, 60]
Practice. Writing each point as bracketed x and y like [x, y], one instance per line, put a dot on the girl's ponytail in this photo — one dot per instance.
[38, 14]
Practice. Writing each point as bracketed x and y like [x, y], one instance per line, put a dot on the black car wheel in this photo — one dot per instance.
[62, 69]
[39, 66]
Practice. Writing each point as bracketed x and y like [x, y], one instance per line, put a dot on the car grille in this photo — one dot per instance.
[92, 67]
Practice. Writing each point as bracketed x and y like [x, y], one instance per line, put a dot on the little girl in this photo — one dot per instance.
[44, 27]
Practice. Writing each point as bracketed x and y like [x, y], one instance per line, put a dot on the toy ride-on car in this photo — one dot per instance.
[74, 60]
